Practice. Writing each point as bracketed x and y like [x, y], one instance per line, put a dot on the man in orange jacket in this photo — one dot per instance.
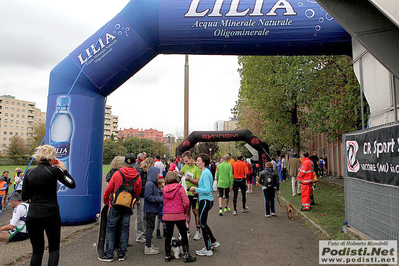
[305, 176]
[240, 171]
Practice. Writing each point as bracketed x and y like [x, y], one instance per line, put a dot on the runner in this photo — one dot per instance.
[193, 174]
[240, 171]
[224, 176]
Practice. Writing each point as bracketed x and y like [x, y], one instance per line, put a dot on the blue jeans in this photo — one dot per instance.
[113, 217]
[269, 195]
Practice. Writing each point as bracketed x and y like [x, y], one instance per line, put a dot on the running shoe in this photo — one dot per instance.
[204, 252]
[234, 213]
[220, 212]
[152, 246]
[246, 209]
[273, 214]
[198, 235]
[121, 257]
[267, 215]
[227, 209]
[215, 244]
[150, 251]
[105, 258]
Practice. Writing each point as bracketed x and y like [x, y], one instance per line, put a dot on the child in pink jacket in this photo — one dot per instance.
[176, 205]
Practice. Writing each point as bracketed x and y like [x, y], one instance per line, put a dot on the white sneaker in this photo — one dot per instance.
[234, 213]
[150, 251]
[267, 215]
[198, 235]
[215, 244]
[273, 214]
[246, 209]
[152, 246]
[204, 252]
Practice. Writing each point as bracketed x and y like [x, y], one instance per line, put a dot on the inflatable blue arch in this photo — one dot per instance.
[141, 31]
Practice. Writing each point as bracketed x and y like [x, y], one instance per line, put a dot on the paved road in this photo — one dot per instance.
[246, 239]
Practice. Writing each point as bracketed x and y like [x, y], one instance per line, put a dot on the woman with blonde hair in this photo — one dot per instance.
[40, 189]
[116, 164]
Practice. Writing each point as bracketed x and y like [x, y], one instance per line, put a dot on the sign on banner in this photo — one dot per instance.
[374, 155]
[358, 252]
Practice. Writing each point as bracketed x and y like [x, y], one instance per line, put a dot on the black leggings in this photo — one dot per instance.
[181, 226]
[204, 207]
[236, 186]
[36, 228]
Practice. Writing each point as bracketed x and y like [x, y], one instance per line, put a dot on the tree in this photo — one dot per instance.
[273, 87]
[283, 96]
[210, 148]
[335, 106]
[240, 145]
[17, 150]
[39, 131]
[111, 149]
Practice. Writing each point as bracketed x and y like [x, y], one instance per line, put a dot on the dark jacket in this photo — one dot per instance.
[143, 175]
[40, 187]
[152, 194]
[269, 173]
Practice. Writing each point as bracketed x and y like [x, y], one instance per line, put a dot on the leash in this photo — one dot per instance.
[278, 200]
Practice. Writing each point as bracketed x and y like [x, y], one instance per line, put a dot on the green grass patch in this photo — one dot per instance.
[12, 173]
[106, 168]
[329, 211]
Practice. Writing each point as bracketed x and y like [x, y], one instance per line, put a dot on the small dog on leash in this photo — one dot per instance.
[290, 211]
[176, 248]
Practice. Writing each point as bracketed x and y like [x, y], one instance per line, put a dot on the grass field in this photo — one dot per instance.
[329, 211]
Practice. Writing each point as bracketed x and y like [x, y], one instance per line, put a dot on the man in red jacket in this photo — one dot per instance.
[305, 176]
[118, 214]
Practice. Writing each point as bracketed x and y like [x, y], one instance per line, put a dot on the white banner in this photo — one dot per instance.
[358, 252]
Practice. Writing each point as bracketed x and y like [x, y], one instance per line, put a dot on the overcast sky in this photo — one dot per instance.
[37, 35]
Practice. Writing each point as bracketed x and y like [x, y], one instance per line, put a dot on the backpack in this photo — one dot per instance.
[110, 174]
[124, 197]
[268, 181]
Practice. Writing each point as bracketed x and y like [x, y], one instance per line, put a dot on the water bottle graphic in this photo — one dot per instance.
[61, 133]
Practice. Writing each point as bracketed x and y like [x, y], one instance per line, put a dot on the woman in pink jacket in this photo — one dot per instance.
[175, 207]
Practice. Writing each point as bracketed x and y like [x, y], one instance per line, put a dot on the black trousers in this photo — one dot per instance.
[181, 226]
[150, 220]
[204, 207]
[36, 228]
[237, 185]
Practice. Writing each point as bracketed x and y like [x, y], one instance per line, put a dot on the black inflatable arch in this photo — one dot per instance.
[224, 136]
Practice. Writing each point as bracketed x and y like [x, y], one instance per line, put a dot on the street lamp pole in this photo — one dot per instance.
[186, 98]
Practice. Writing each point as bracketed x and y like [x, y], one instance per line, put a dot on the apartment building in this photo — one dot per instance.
[110, 123]
[17, 118]
[152, 134]
[221, 125]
